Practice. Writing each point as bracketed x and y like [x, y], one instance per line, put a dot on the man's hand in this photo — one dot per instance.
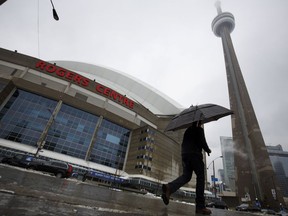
[208, 152]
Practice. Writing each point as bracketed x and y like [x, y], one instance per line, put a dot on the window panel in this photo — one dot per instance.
[20, 117]
[71, 131]
[111, 138]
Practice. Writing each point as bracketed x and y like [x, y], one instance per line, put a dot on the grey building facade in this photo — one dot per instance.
[279, 160]
[227, 149]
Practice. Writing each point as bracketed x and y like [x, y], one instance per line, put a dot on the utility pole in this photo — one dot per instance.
[214, 182]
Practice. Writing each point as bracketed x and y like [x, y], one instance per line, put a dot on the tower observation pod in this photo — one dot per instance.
[254, 174]
[222, 21]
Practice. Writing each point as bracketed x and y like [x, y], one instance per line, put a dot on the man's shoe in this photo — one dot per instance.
[203, 211]
[165, 194]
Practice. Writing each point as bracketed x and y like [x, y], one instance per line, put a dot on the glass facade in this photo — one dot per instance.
[25, 116]
[111, 145]
[71, 132]
[279, 160]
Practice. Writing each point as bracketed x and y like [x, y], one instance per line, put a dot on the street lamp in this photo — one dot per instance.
[214, 184]
[55, 15]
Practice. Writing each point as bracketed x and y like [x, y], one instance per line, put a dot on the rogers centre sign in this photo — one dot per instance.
[85, 82]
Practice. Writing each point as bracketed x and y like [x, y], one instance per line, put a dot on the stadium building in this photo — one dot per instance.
[89, 116]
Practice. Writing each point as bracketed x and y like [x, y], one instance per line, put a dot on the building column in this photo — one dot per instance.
[42, 139]
[94, 136]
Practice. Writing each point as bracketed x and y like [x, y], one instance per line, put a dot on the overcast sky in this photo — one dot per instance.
[168, 44]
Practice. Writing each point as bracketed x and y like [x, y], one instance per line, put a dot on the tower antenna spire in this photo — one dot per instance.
[218, 7]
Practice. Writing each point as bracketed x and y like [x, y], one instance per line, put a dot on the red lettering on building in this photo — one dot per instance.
[69, 75]
[77, 78]
[114, 95]
[99, 88]
[83, 81]
[50, 68]
[120, 98]
[126, 101]
[60, 72]
[107, 91]
[131, 104]
[41, 65]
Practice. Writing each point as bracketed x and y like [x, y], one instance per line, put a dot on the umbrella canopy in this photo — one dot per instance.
[204, 113]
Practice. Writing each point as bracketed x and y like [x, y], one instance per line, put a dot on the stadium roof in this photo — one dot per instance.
[142, 93]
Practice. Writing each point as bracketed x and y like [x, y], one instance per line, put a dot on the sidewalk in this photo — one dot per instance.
[17, 200]
[28, 193]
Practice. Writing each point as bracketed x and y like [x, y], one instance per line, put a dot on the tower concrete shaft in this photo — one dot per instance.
[255, 177]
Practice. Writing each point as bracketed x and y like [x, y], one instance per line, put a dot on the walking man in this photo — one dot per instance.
[192, 160]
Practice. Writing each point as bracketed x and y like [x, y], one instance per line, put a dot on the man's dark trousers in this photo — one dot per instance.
[190, 163]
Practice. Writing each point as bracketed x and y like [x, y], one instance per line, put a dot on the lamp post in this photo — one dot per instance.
[214, 184]
[55, 15]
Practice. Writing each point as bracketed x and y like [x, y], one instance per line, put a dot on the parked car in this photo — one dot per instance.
[242, 207]
[58, 168]
[247, 207]
[21, 160]
[218, 204]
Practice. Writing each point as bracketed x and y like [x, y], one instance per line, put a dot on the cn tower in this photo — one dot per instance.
[254, 174]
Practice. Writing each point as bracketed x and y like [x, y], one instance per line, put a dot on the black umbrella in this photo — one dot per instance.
[204, 113]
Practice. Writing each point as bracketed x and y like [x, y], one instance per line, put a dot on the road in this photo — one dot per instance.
[26, 192]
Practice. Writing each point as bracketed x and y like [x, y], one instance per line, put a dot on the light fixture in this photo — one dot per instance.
[55, 15]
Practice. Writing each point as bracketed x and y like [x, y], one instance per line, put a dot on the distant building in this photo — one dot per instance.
[279, 160]
[228, 162]
[278, 157]
[221, 174]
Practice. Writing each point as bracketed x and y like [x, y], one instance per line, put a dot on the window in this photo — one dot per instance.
[146, 157]
[24, 117]
[141, 166]
[110, 145]
[146, 147]
[71, 132]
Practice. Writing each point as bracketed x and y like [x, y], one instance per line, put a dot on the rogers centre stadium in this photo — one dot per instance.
[94, 118]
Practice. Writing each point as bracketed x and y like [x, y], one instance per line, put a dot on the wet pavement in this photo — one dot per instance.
[25, 192]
